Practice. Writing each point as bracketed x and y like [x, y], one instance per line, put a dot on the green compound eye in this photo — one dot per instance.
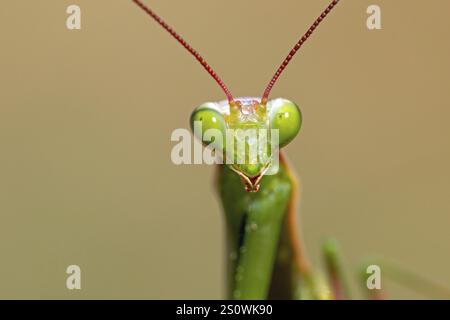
[285, 116]
[205, 118]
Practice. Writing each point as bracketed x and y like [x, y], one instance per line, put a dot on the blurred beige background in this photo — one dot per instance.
[86, 118]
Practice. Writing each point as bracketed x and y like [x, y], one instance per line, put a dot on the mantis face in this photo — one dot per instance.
[247, 132]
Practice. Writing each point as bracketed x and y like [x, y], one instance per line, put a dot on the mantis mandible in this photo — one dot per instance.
[265, 257]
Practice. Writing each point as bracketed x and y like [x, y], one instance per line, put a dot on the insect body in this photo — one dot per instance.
[265, 259]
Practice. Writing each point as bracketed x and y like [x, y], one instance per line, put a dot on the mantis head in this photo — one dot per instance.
[248, 133]
[243, 123]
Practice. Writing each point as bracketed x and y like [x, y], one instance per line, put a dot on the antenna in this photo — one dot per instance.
[191, 50]
[294, 50]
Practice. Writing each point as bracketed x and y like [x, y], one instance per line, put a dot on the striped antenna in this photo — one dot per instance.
[186, 45]
[294, 50]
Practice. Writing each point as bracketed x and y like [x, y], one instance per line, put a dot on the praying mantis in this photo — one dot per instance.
[265, 257]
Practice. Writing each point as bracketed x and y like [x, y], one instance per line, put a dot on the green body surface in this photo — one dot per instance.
[260, 257]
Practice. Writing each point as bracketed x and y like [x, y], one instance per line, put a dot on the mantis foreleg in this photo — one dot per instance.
[260, 241]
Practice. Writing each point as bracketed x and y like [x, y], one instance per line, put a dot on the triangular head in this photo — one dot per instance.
[248, 133]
